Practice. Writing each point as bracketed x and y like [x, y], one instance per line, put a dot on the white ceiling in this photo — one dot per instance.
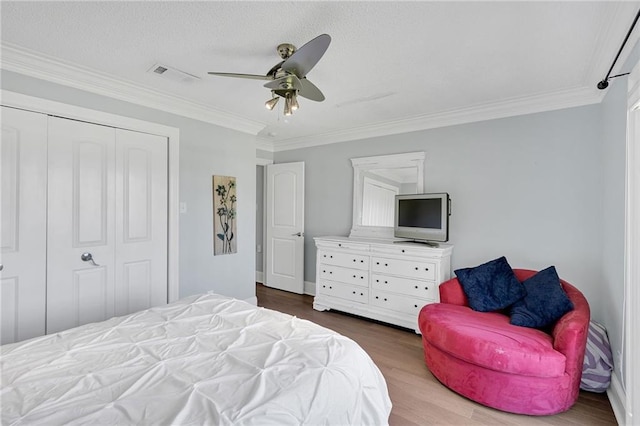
[391, 66]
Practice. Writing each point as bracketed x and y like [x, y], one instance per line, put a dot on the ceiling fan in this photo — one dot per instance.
[288, 78]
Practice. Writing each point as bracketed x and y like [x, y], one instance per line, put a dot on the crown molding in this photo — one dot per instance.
[34, 64]
[527, 105]
[264, 144]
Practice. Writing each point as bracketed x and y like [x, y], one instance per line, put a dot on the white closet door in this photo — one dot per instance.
[81, 220]
[107, 200]
[141, 221]
[23, 217]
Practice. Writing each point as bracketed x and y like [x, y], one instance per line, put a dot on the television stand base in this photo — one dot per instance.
[427, 243]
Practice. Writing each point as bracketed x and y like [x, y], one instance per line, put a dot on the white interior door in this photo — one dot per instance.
[80, 223]
[23, 156]
[141, 221]
[284, 209]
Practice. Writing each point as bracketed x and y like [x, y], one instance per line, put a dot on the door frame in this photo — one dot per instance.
[46, 106]
[263, 162]
[632, 251]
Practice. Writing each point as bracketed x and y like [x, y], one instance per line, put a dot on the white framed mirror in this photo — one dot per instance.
[376, 181]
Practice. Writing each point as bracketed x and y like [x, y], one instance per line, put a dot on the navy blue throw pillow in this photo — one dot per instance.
[544, 303]
[491, 286]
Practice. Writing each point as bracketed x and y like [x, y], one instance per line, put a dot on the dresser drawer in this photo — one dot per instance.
[345, 275]
[347, 260]
[403, 249]
[341, 245]
[407, 268]
[395, 302]
[406, 286]
[344, 291]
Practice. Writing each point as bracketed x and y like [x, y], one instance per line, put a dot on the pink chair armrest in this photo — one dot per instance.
[451, 292]
[570, 332]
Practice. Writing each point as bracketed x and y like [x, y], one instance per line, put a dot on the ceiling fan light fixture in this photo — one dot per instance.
[294, 101]
[287, 79]
[271, 103]
[287, 108]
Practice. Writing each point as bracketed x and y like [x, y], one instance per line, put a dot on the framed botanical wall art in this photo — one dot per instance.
[224, 215]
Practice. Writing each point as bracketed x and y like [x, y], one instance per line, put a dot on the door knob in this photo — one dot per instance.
[297, 234]
[88, 257]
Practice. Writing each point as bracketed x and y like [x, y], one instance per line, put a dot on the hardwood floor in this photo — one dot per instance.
[418, 398]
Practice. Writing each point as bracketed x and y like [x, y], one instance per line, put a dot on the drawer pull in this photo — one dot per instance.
[354, 276]
[416, 268]
[362, 278]
[403, 250]
[361, 261]
[354, 292]
[426, 288]
[377, 281]
[331, 256]
[377, 297]
[354, 260]
[361, 294]
[339, 245]
[385, 299]
[331, 272]
[330, 287]
[416, 286]
[386, 282]
[415, 306]
[324, 286]
[426, 269]
[386, 264]
[324, 255]
[377, 263]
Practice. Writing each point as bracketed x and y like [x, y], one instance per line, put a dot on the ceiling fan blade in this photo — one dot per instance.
[310, 91]
[285, 83]
[305, 58]
[251, 76]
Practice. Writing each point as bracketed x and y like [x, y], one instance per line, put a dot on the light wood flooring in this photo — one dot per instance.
[418, 398]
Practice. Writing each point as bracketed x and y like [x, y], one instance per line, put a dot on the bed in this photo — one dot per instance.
[205, 359]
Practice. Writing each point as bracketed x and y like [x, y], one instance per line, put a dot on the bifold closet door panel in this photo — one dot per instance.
[81, 224]
[23, 158]
[141, 221]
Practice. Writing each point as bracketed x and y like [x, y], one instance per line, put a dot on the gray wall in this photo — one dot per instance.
[264, 154]
[613, 158]
[614, 134]
[526, 187]
[205, 150]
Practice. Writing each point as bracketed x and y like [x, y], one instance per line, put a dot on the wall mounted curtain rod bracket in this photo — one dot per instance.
[604, 83]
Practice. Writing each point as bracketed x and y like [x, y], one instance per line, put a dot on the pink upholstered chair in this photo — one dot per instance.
[516, 369]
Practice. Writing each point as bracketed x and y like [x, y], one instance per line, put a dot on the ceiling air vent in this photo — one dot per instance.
[159, 70]
[172, 74]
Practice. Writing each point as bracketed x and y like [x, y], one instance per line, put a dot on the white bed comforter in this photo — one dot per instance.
[205, 359]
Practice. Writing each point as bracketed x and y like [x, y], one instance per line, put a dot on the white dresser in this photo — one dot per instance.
[379, 279]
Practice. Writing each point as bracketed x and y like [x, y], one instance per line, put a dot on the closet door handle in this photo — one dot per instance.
[1, 266]
[88, 257]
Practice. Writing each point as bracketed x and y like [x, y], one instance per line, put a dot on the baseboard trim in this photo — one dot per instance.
[617, 399]
[309, 288]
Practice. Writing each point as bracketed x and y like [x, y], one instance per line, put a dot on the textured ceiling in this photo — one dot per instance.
[388, 62]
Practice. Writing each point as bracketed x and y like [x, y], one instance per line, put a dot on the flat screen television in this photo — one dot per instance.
[423, 217]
